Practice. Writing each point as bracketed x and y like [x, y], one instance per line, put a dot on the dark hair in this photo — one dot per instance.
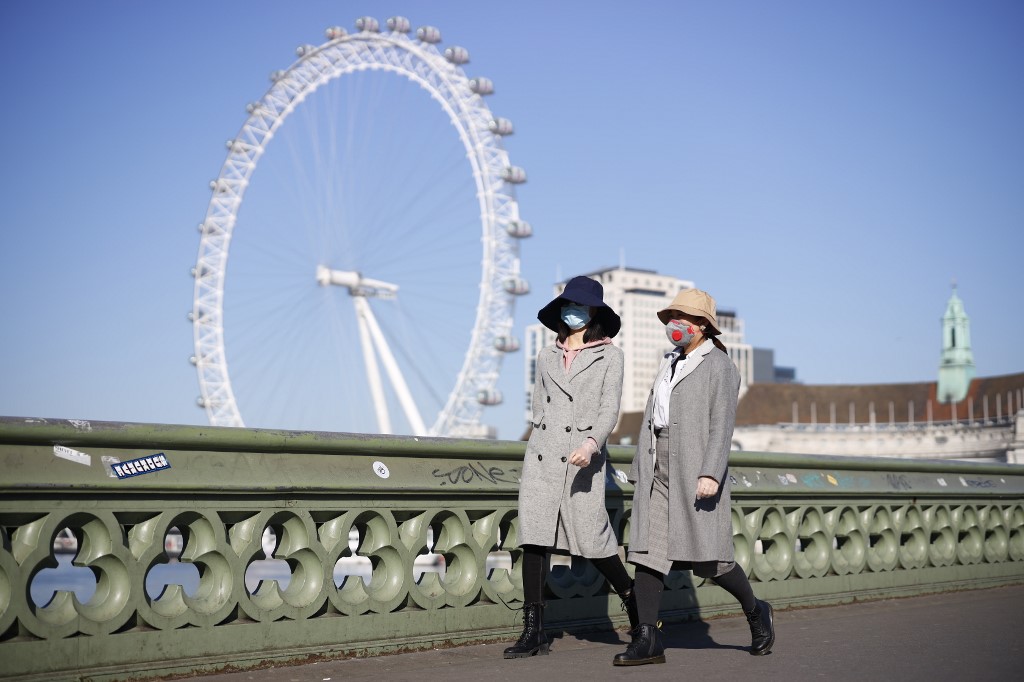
[594, 332]
[710, 333]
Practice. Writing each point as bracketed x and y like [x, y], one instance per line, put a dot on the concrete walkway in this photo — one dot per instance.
[961, 636]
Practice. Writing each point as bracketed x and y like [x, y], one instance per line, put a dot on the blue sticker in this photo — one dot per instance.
[142, 465]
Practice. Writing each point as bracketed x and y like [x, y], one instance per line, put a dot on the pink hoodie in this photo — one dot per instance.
[569, 354]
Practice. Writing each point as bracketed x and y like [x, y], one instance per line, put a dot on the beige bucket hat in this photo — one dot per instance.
[692, 302]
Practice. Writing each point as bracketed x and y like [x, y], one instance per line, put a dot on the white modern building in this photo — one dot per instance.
[637, 296]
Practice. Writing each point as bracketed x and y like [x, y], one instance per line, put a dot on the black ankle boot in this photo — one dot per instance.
[645, 648]
[762, 628]
[629, 606]
[533, 641]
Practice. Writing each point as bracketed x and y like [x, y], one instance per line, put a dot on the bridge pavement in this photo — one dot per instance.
[971, 635]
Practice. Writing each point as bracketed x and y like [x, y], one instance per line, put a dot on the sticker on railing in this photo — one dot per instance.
[831, 479]
[72, 455]
[381, 469]
[142, 465]
[108, 463]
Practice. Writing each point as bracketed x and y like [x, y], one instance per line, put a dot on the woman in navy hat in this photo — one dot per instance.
[562, 491]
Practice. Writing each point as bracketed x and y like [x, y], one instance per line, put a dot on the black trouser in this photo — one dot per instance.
[535, 563]
[649, 585]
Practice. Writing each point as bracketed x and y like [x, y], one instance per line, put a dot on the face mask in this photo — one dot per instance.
[680, 332]
[575, 316]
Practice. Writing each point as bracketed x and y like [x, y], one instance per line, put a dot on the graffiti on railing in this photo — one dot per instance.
[478, 472]
[977, 483]
[898, 482]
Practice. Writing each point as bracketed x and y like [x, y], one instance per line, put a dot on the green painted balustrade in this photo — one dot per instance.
[808, 530]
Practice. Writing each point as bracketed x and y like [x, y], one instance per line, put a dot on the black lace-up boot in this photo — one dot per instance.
[645, 648]
[533, 641]
[629, 606]
[762, 628]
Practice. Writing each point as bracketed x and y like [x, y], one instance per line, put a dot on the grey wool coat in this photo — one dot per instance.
[702, 414]
[562, 505]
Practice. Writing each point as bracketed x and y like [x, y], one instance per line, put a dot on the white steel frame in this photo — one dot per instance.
[446, 82]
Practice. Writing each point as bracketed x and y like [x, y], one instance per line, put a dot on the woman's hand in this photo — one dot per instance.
[581, 456]
[706, 487]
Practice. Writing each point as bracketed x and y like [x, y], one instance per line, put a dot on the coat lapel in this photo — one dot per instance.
[692, 361]
[553, 368]
[554, 365]
[586, 358]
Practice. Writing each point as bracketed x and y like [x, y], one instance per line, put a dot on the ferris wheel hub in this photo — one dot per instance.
[356, 284]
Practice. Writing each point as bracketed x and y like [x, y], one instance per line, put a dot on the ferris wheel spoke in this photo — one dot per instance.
[416, 356]
[294, 348]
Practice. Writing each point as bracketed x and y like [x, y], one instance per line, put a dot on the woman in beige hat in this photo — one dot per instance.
[681, 504]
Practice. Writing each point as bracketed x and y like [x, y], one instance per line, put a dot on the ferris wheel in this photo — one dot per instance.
[360, 250]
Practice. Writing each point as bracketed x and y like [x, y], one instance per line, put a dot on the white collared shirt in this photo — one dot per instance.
[663, 389]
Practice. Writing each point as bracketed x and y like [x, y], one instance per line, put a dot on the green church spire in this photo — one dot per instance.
[956, 369]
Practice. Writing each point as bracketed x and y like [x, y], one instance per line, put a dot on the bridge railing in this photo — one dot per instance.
[808, 530]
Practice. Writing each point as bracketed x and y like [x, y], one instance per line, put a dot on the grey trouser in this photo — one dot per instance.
[656, 556]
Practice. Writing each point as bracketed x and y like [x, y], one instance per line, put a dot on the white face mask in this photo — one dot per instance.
[575, 316]
[680, 332]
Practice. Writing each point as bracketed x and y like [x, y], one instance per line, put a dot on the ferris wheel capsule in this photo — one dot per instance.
[429, 34]
[514, 175]
[368, 24]
[193, 360]
[303, 50]
[501, 126]
[201, 401]
[489, 396]
[517, 286]
[520, 229]
[506, 344]
[482, 86]
[277, 75]
[335, 32]
[457, 55]
[399, 25]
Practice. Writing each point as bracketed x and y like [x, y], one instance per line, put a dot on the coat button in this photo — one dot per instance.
[568, 429]
[651, 451]
[543, 427]
[563, 459]
[549, 399]
[570, 399]
[540, 457]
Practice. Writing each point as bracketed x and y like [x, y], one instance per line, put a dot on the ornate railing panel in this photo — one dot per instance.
[807, 529]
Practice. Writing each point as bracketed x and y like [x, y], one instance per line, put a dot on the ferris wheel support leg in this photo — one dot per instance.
[372, 370]
[395, 374]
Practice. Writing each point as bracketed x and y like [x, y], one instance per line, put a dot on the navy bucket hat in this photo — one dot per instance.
[584, 291]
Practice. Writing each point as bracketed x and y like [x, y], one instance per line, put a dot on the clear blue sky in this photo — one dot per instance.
[824, 169]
